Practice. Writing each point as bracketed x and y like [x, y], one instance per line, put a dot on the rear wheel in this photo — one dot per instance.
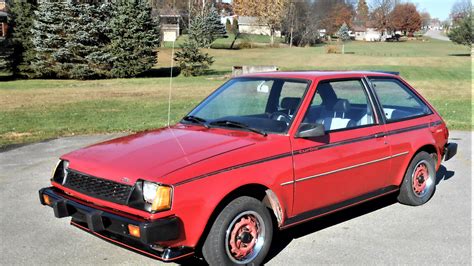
[240, 235]
[419, 182]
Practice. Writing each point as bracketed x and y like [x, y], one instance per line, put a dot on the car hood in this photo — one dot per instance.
[153, 154]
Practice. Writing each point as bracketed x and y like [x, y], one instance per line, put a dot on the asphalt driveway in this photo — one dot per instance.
[379, 232]
[436, 34]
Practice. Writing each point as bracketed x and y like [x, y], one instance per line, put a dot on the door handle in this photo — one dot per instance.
[380, 135]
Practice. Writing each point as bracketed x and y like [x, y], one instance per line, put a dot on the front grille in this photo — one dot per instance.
[98, 187]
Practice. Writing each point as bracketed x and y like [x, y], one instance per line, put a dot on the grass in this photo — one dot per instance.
[34, 110]
[225, 43]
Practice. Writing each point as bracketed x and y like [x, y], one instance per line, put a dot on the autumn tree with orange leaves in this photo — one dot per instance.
[269, 12]
[405, 18]
[341, 13]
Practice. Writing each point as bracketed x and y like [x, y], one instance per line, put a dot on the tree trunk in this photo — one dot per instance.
[272, 36]
[291, 37]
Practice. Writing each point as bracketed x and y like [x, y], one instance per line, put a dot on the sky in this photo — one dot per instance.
[437, 8]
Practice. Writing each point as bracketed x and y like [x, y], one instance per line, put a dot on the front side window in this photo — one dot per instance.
[340, 105]
[398, 101]
[265, 104]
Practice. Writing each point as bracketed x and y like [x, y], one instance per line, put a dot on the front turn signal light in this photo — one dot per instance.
[47, 199]
[162, 200]
[134, 230]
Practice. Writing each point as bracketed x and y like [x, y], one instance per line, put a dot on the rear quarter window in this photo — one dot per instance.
[397, 100]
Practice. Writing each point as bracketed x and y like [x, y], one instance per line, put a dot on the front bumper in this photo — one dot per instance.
[113, 226]
[450, 150]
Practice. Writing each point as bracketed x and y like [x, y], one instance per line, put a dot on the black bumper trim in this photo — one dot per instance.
[99, 221]
[165, 254]
[450, 150]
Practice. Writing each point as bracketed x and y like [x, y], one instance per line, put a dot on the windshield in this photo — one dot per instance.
[256, 104]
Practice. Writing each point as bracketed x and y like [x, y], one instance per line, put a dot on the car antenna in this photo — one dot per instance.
[171, 85]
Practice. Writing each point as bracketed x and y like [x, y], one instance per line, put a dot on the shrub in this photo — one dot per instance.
[191, 60]
[332, 49]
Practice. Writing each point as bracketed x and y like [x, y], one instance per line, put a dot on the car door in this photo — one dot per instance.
[350, 161]
[408, 121]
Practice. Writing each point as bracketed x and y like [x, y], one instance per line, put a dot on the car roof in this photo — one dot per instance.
[321, 74]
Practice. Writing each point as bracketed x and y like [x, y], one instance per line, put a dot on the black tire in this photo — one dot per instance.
[410, 192]
[217, 251]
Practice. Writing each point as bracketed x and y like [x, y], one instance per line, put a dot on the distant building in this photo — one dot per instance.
[362, 33]
[170, 29]
[230, 18]
[3, 18]
[252, 25]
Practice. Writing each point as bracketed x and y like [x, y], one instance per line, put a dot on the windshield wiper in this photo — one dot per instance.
[195, 119]
[230, 123]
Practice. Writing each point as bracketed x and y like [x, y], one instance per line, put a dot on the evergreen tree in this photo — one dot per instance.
[206, 28]
[214, 28]
[86, 41]
[462, 32]
[21, 24]
[6, 54]
[49, 40]
[134, 38]
[191, 60]
[343, 34]
[198, 31]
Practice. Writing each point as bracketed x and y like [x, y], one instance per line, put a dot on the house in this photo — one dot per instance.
[230, 18]
[367, 34]
[170, 29]
[252, 25]
[3, 18]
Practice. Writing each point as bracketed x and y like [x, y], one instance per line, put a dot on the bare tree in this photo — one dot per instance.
[380, 16]
[269, 12]
[460, 10]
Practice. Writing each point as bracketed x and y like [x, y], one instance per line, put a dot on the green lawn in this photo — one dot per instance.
[225, 43]
[34, 110]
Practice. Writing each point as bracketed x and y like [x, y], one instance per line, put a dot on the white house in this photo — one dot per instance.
[170, 29]
[252, 25]
[368, 34]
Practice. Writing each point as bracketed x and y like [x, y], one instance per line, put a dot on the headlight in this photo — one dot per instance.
[60, 173]
[159, 196]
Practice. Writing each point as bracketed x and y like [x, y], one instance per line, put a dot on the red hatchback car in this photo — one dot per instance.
[264, 151]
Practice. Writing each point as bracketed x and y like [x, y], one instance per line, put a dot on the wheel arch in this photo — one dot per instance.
[258, 191]
[432, 150]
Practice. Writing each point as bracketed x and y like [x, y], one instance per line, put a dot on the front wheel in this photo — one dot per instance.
[419, 182]
[241, 234]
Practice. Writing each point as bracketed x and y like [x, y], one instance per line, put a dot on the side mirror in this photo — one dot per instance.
[311, 131]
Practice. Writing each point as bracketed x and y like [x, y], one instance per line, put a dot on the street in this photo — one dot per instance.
[378, 232]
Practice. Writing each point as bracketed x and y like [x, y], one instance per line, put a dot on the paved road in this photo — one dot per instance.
[436, 34]
[379, 232]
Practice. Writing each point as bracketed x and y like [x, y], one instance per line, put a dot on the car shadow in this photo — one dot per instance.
[281, 239]
[443, 174]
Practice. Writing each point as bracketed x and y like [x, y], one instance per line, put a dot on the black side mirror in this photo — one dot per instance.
[311, 131]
